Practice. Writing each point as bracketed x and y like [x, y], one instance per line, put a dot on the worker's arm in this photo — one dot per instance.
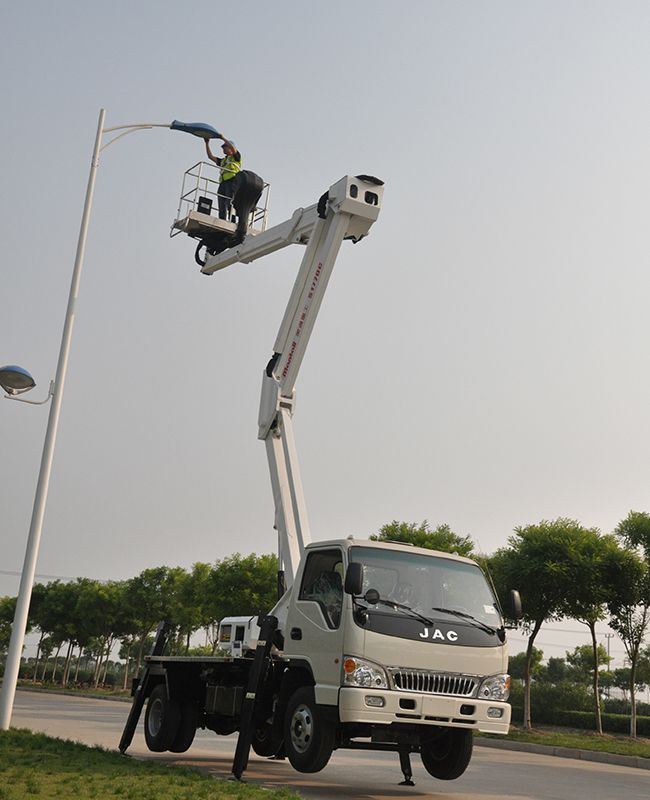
[227, 141]
[211, 155]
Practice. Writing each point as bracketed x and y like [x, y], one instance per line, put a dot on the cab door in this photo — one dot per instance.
[314, 624]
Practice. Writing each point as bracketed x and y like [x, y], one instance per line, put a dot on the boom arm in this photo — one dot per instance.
[346, 211]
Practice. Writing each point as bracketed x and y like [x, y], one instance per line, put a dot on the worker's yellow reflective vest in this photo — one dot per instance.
[230, 166]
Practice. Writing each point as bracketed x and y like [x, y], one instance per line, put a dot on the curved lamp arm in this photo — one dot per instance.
[126, 129]
[200, 129]
[50, 394]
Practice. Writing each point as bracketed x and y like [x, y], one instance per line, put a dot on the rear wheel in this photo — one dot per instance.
[161, 720]
[222, 726]
[265, 741]
[308, 734]
[186, 727]
[447, 755]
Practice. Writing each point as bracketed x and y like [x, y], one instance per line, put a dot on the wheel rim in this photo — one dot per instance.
[155, 717]
[302, 728]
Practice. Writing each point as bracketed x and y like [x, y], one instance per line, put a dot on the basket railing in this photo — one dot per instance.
[202, 180]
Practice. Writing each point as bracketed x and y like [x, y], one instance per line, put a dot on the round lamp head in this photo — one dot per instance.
[15, 380]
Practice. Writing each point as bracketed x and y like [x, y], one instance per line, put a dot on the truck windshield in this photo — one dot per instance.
[433, 586]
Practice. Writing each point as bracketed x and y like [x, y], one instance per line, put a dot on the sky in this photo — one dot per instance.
[479, 360]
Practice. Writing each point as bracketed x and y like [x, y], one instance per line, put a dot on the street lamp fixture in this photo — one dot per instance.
[15, 380]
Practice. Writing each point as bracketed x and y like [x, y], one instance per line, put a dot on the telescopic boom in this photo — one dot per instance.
[346, 211]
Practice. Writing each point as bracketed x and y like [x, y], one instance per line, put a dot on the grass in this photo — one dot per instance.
[582, 740]
[33, 765]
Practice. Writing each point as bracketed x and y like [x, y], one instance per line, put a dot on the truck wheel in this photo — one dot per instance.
[223, 726]
[161, 720]
[264, 742]
[446, 756]
[308, 735]
[186, 727]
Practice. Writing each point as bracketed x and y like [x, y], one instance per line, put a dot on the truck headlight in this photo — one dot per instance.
[358, 672]
[495, 687]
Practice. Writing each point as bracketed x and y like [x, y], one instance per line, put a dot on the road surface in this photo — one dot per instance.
[492, 775]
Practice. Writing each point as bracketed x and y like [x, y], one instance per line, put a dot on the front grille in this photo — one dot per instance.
[427, 682]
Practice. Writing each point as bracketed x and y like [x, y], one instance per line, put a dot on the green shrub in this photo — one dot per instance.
[585, 720]
[616, 705]
[549, 696]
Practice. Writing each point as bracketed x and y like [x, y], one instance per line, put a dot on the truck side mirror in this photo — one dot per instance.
[515, 605]
[354, 578]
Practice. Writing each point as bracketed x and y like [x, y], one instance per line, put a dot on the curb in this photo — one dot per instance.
[637, 762]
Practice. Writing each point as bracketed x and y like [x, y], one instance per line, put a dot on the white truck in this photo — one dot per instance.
[372, 645]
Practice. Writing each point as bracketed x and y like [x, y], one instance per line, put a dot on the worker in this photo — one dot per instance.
[230, 165]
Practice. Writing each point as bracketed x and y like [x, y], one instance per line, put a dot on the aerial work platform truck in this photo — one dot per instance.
[372, 645]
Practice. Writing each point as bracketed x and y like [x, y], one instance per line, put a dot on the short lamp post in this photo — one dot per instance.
[16, 380]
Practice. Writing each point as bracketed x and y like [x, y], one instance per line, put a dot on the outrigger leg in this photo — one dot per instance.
[405, 764]
[268, 626]
[141, 688]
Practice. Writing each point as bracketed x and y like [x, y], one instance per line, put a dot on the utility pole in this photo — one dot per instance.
[608, 636]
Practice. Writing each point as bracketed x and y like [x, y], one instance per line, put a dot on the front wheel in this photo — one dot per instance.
[446, 756]
[308, 734]
[161, 720]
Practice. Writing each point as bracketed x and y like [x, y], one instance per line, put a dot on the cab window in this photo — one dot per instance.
[322, 583]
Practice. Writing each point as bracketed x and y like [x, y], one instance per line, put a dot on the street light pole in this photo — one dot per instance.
[12, 665]
[608, 636]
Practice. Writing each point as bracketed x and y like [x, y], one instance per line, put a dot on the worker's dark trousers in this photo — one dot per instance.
[226, 191]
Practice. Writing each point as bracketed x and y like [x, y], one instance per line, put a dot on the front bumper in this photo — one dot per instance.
[422, 709]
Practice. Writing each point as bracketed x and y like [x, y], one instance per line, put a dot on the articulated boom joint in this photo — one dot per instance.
[271, 403]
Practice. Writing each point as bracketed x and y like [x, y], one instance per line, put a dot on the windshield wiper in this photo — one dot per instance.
[403, 607]
[483, 625]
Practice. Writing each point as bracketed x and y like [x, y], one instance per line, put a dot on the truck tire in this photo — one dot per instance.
[446, 756]
[222, 726]
[161, 720]
[308, 734]
[186, 727]
[265, 741]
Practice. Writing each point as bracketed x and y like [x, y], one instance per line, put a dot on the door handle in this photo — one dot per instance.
[296, 633]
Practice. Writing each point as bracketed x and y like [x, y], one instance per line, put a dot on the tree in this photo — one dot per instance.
[52, 616]
[555, 671]
[634, 530]
[150, 597]
[517, 664]
[99, 606]
[629, 607]
[537, 562]
[582, 660]
[7, 611]
[441, 538]
[38, 595]
[592, 560]
[190, 608]
[242, 585]
[643, 667]
[47, 646]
